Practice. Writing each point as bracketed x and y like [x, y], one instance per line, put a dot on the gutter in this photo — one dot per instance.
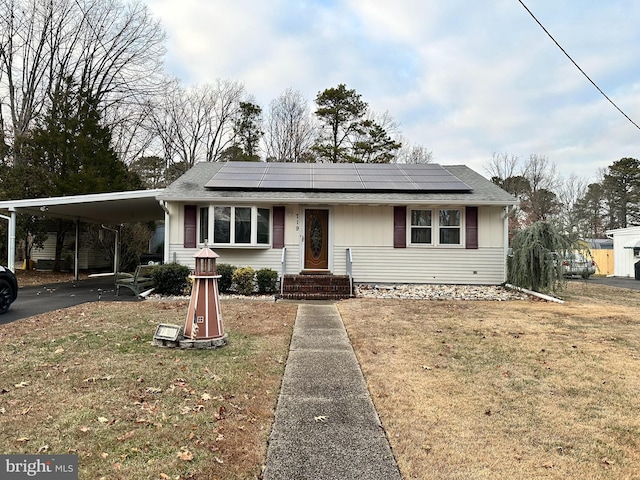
[535, 294]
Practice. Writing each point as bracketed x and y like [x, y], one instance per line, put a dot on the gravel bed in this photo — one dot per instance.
[439, 292]
[395, 291]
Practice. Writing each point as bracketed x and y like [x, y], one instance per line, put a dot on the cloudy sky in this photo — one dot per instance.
[464, 78]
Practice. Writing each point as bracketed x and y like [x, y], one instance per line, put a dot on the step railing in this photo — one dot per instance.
[283, 269]
[349, 264]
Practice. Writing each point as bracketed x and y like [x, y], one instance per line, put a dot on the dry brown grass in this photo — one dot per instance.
[29, 278]
[86, 380]
[511, 390]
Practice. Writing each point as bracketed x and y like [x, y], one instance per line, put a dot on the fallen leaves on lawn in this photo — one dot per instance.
[185, 454]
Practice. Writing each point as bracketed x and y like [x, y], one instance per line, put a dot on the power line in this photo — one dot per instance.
[578, 66]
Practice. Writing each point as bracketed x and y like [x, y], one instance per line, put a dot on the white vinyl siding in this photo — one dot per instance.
[376, 261]
[368, 231]
[406, 265]
[362, 225]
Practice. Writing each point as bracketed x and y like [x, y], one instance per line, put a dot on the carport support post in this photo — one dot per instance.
[11, 240]
[76, 263]
[116, 255]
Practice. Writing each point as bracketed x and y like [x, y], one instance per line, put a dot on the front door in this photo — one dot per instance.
[316, 244]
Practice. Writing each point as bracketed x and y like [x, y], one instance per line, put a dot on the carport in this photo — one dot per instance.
[114, 208]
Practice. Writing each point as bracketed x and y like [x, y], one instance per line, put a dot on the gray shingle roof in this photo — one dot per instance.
[190, 187]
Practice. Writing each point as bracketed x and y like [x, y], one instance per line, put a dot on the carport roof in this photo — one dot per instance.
[109, 208]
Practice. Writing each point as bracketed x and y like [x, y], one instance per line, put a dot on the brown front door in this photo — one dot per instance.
[316, 244]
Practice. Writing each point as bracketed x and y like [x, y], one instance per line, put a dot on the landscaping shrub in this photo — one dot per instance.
[171, 278]
[267, 279]
[244, 280]
[226, 280]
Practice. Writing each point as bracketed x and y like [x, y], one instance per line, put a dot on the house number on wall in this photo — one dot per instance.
[200, 319]
[297, 222]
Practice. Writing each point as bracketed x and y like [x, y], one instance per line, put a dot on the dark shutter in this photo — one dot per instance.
[190, 222]
[278, 227]
[472, 227]
[399, 227]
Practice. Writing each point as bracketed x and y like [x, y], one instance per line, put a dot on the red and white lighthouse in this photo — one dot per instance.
[204, 320]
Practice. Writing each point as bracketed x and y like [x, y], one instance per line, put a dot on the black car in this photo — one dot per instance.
[8, 288]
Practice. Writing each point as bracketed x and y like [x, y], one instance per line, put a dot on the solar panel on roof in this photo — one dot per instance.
[338, 186]
[347, 177]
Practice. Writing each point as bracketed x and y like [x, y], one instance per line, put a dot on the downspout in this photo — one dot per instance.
[507, 211]
[506, 244]
[116, 250]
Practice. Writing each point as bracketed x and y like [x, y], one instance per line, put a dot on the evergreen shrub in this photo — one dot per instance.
[171, 278]
[267, 279]
[243, 278]
[226, 280]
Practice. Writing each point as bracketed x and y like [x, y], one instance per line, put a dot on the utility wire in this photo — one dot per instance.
[578, 66]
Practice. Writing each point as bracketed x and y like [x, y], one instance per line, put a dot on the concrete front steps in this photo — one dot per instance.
[316, 286]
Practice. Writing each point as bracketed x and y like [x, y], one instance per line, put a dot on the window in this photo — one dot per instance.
[203, 236]
[221, 224]
[242, 226]
[264, 220]
[421, 226]
[435, 227]
[449, 222]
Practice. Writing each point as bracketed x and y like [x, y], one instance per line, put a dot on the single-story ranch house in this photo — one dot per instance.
[379, 223]
[370, 223]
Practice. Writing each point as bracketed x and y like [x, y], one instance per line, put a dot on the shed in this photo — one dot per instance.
[626, 250]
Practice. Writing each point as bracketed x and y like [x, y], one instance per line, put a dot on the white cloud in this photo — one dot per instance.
[464, 78]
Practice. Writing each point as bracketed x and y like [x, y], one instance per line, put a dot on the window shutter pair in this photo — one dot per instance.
[400, 227]
[191, 220]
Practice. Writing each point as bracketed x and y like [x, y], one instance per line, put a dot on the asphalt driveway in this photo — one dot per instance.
[53, 296]
[620, 282]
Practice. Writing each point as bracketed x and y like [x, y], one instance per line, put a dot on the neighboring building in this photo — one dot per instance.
[626, 251]
[384, 223]
[601, 251]
[88, 258]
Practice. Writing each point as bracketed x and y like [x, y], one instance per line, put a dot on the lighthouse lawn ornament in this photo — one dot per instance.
[203, 326]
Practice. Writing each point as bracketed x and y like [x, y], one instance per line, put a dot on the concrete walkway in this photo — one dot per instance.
[326, 426]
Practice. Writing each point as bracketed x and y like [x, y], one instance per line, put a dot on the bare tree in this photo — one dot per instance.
[570, 192]
[503, 166]
[223, 99]
[196, 124]
[27, 47]
[290, 129]
[110, 50]
[541, 173]
[413, 154]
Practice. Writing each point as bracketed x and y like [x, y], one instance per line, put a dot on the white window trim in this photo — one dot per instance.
[411, 227]
[459, 227]
[207, 236]
[435, 227]
[232, 244]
